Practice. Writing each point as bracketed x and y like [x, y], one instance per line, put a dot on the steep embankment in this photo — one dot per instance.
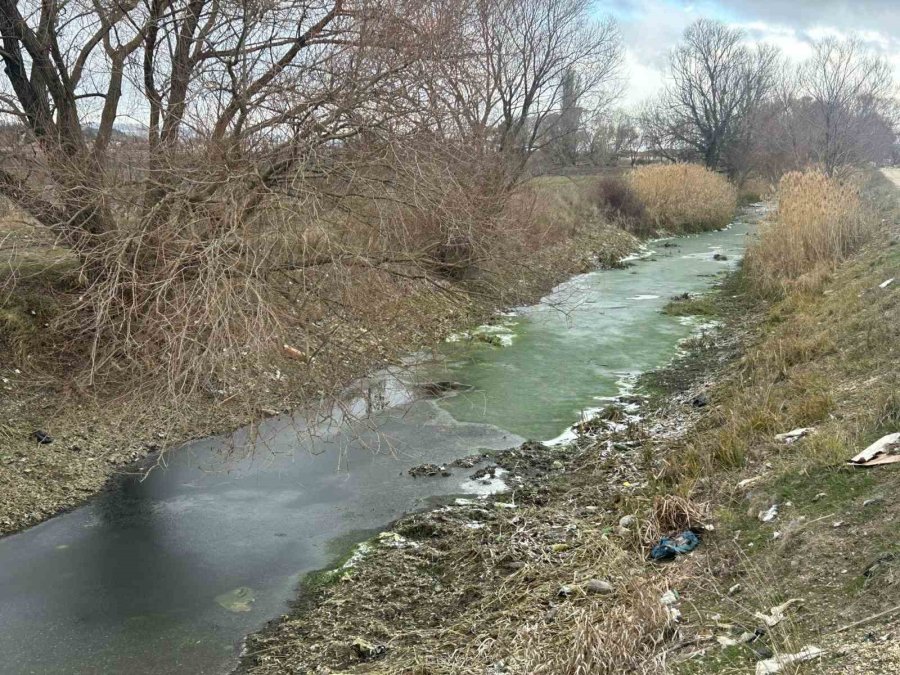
[554, 578]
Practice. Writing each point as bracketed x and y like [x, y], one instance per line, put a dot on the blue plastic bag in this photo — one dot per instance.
[668, 548]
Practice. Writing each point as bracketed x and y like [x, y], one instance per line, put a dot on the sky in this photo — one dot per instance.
[652, 27]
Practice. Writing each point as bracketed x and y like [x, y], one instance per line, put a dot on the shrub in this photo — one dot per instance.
[550, 209]
[616, 200]
[819, 222]
[684, 197]
[753, 190]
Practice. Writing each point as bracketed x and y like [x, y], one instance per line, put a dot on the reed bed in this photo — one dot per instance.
[684, 198]
[820, 221]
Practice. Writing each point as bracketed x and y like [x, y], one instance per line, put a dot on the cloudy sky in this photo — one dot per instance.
[652, 27]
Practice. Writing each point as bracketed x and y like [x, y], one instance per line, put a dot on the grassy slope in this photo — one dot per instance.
[829, 361]
[463, 600]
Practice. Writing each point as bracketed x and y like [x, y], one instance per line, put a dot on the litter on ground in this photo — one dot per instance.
[770, 515]
[795, 434]
[777, 614]
[886, 450]
[669, 547]
[777, 663]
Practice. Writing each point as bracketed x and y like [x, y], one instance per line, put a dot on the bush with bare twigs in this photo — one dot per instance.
[617, 201]
[684, 197]
[264, 201]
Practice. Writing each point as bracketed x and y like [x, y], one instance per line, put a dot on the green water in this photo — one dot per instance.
[586, 341]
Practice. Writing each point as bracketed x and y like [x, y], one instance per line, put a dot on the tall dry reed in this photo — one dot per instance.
[684, 197]
[819, 222]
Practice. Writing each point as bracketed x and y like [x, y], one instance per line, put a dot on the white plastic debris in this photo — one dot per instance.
[777, 614]
[885, 284]
[394, 540]
[795, 434]
[747, 482]
[879, 452]
[770, 515]
[674, 614]
[670, 597]
[777, 663]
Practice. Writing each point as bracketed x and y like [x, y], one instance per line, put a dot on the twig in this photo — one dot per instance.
[886, 612]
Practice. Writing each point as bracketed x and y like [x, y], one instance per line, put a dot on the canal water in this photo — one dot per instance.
[169, 573]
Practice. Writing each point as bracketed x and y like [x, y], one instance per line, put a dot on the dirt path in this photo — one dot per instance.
[893, 175]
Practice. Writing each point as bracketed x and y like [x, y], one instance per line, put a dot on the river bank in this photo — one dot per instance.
[797, 555]
[96, 437]
[465, 587]
[200, 554]
[92, 431]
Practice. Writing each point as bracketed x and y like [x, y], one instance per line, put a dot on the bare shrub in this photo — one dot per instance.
[684, 197]
[850, 91]
[554, 207]
[617, 200]
[819, 222]
[300, 165]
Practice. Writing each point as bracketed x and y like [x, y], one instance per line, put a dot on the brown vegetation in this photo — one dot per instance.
[684, 197]
[266, 201]
[818, 223]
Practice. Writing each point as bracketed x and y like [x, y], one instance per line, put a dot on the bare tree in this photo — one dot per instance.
[538, 51]
[615, 137]
[716, 84]
[569, 121]
[849, 89]
[834, 110]
[267, 128]
[289, 153]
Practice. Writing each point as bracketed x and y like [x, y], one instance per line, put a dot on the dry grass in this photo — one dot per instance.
[461, 600]
[820, 221]
[625, 637]
[824, 359]
[487, 600]
[563, 204]
[684, 197]
[754, 189]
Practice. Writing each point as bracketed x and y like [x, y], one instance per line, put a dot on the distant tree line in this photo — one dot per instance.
[743, 109]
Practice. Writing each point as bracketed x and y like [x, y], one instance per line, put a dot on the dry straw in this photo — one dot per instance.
[684, 197]
[820, 221]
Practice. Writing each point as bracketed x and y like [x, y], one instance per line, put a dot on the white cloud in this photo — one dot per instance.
[651, 28]
[642, 81]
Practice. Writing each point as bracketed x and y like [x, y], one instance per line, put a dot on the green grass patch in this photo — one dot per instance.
[701, 305]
